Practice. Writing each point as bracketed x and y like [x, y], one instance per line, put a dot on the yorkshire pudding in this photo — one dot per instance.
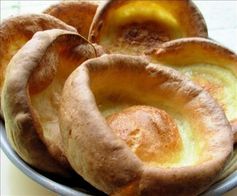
[16, 31]
[31, 93]
[164, 135]
[78, 14]
[211, 66]
[135, 26]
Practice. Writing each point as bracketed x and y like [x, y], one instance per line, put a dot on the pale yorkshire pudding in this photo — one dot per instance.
[135, 26]
[78, 14]
[31, 93]
[164, 135]
[211, 66]
[16, 31]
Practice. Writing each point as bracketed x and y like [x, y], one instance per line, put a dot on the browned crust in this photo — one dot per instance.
[234, 128]
[109, 164]
[145, 128]
[204, 46]
[188, 15]
[78, 14]
[23, 127]
[16, 31]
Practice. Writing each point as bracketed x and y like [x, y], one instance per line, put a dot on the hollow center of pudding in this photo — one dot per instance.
[138, 23]
[150, 133]
[219, 82]
[147, 33]
[46, 84]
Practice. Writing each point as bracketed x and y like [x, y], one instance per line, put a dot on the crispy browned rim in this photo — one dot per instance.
[105, 160]
[16, 31]
[24, 129]
[207, 45]
[197, 23]
[234, 127]
[78, 14]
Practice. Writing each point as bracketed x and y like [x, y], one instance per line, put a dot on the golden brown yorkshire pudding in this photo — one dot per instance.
[211, 66]
[135, 26]
[31, 95]
[208, 64]
[78, 14]
[16, 31]
[164, 135]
